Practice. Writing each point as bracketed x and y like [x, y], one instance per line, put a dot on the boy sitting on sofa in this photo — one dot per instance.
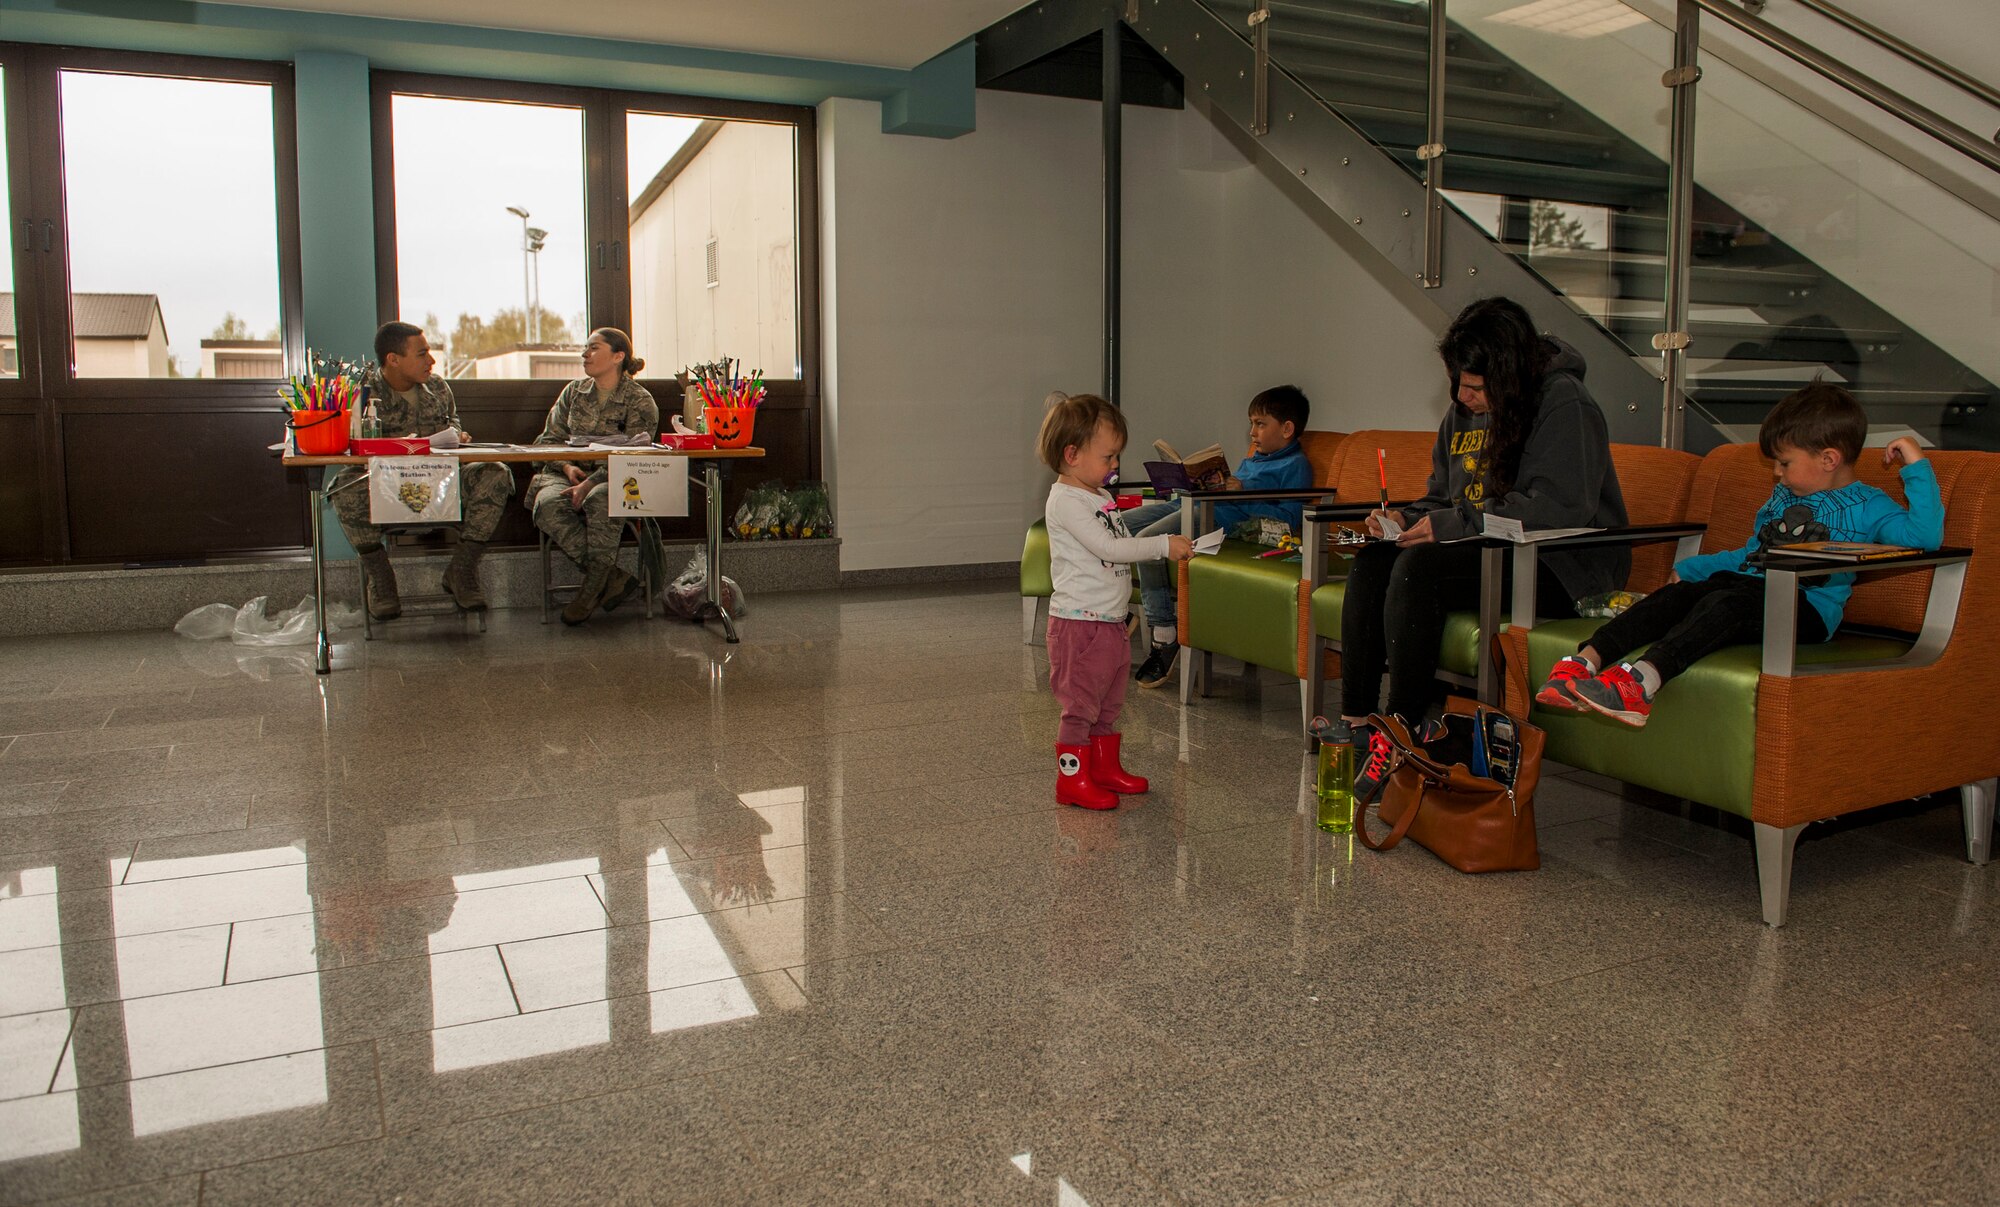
[1717, 599]
[1276, 462]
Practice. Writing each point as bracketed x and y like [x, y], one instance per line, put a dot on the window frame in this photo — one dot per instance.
[47, 194]
[608, 286]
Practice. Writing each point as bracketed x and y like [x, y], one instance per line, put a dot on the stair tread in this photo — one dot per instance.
[1468, 93]
[1796, 275]
[1476, 125]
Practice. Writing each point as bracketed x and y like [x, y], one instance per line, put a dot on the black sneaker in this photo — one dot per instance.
[1159, 664]
[1372, 749]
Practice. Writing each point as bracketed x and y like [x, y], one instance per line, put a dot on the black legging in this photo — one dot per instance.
[1686, 622]
[1393, 619]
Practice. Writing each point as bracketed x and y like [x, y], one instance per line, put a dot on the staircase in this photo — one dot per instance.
[1572, 211]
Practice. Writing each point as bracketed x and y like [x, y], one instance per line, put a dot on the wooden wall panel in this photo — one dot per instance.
[161, 486]
[21, 515]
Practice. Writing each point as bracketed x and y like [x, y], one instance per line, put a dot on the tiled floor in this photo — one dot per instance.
[611, 915]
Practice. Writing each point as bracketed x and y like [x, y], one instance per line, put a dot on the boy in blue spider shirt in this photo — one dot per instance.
[1276, 462]
[1717, 599]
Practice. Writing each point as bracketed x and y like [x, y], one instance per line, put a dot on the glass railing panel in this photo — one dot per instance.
[1844, 264]
[1554, 116]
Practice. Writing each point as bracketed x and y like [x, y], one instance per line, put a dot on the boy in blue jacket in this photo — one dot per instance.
[1717, 599]
[1276, 462]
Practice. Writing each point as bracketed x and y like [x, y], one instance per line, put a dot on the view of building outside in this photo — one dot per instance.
[715, 248]
[490, 243]
[180, 278]
[10, 351]
[159, 255]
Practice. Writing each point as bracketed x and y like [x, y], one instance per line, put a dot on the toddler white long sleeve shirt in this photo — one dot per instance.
[1091, 554]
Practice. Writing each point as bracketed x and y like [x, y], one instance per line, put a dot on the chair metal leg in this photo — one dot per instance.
[542, 539]
[1774, 868]
[1188, 675]
[1207, 672]
[1976, 802]
[1032, 632]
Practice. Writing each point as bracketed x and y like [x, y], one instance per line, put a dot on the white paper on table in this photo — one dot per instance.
[1210, 542]
[414, 490]
[443, 440]
[647, 485]
[1506, 529]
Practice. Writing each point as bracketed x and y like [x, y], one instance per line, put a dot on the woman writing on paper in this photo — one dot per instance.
[570, 500]
[1523, 439]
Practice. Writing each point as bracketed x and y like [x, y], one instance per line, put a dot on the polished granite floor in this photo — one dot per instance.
[621, 914]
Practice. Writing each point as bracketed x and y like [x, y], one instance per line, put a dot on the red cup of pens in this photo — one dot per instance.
[319, 433]
[731, 426]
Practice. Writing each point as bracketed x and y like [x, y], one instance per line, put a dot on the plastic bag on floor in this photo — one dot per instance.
[249, 625]
[689, 590]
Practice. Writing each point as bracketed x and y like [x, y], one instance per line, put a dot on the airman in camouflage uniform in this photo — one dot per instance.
[411, 401]
[571, 500]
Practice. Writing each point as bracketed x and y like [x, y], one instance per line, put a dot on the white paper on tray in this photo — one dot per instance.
[1506, 529]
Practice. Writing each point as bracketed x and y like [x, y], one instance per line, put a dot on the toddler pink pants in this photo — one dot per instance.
[1089, 661]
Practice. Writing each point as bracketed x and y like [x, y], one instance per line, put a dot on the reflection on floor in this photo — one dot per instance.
[623, 914]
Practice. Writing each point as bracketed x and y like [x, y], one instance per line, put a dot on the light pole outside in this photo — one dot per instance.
[527, 296]
[536, 235]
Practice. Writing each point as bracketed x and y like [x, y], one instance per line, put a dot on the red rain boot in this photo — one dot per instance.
[1074, 785]
[1105, 769]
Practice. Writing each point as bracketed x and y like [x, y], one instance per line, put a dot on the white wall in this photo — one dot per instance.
[962, 283]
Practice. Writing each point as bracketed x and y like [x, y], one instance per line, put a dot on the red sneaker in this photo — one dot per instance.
[1371, 760]
[1557, 692]
[1617, 693]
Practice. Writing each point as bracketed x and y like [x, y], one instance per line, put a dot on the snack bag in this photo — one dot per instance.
[1262, 530]
[815, 511]
[757, 516]
[1607, 604]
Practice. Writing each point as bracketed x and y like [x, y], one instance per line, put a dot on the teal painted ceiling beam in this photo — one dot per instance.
[934, 99]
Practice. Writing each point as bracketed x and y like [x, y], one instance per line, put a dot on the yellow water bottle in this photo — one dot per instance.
[1334, 783]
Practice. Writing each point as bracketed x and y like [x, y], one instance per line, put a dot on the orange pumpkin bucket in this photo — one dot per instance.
[731, 426]
[319, 433]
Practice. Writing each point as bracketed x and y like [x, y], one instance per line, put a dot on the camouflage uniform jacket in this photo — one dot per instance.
[434, 408]
[584, 410]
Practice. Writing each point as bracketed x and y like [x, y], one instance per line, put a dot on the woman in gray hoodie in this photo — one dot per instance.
[1522, 439]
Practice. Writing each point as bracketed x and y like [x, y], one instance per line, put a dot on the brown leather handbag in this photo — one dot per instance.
[1475, 823]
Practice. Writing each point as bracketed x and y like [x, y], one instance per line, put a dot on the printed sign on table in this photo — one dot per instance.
[648, 485]
[413, 490]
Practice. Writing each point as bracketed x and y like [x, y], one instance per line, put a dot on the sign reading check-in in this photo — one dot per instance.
[648, 486]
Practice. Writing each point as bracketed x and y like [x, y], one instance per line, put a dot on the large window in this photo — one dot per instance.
[10, 347]
[149, 299]
[525, 216]
[714, 220]
[490, 233]
[171, 210]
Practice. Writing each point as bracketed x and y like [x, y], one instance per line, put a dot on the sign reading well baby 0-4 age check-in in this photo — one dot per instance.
[647, 485]
[413, 490]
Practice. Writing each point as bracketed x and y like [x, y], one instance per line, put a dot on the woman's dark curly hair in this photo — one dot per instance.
[1495, 339]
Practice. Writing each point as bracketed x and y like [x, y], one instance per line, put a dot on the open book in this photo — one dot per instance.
[1208, 469]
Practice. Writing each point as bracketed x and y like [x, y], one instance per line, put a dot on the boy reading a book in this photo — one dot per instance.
[1717, 599]
[1276, 462]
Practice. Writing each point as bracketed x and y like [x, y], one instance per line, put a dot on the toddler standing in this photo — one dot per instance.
[1090, 559]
